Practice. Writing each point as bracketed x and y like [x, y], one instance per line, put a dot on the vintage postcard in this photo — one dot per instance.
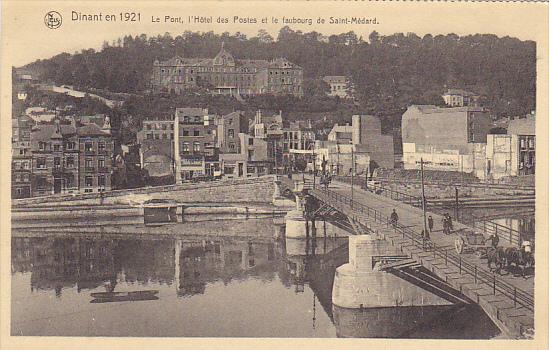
[265, 174]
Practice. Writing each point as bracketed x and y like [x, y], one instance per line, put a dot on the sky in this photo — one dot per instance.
[29, 39]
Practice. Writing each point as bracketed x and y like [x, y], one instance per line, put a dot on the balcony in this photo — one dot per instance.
[103, 169]
[89, 169]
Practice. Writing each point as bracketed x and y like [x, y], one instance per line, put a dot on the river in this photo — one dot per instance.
[248, 283]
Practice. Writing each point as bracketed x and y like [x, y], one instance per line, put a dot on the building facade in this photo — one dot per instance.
[514, 153]
[339, 85]
[228, 128]
[21, 157]
[71, 159]
[253, 158]
[226, 75]
[156, 151]
[460, 98]
[341, 134]
[367, 136]
[195, 150]
[450, 139]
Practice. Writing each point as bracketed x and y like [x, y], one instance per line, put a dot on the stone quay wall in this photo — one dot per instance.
[247, 190]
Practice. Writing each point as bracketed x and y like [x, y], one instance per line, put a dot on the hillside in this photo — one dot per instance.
[390, 72]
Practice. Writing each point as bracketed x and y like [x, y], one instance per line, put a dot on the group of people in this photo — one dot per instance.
[325, 180]
[447, 226]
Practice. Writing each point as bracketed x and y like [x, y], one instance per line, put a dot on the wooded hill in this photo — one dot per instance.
[389, 72]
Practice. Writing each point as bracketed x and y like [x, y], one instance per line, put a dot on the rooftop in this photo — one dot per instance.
[428, 109]
[225, 58]
[459, 92]
[335, 79]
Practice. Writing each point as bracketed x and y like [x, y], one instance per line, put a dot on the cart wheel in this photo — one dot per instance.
[459, 243]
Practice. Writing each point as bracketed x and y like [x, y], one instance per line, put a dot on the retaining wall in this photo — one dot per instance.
[249, 190]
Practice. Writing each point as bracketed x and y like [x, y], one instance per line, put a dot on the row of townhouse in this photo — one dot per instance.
[194, 143]
[58, 157]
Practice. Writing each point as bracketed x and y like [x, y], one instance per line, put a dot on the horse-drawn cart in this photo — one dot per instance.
[469, 241]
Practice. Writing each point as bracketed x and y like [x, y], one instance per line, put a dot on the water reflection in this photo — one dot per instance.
[214, 285]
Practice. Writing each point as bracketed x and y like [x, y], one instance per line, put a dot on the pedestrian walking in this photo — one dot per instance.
[394, 218]
[450, 225]
[431, 223]
[494, 238]
[445, 227]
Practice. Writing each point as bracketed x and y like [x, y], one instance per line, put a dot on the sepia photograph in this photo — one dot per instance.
[207, 170]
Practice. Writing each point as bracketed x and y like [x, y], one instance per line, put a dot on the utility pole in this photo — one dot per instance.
[314, 169]
[456, 214]
[423, 200]
[352, 175]
[337, 166]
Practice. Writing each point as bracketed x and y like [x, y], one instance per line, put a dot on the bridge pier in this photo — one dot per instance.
[296, 224]
[361, 284]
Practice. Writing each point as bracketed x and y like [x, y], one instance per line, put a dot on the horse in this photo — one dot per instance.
[520, 257]
[496, 256]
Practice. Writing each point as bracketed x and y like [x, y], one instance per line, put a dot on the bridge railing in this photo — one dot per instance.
[480, 275]
[507, 233]
[486, 227]
[384, 191]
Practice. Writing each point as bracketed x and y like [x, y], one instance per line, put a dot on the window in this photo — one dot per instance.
[57, 162]
[156, 136]
[164, 136]
[41, 183]
[196, 147]
[70, 162]
[196, 133]
[56, 148]
[532, 143]
[250, 154]
[231, 133]
[41, 163]
[229, 170]
[88, 146]
[230, 121]
[17, 177]
[88, 181]
[231, 146]
[185, 147]
[41, 146]
[70, 145]
[251, 141]
[26, 177]
[24, 165]
[101, 146]
[89, 163]
[185, 132]
[101, 180]
[171, 135]
[69, 179]
[101, 162]
[149, 136]
[522, 143]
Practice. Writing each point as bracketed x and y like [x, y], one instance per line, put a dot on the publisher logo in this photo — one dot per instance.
[53, 20]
